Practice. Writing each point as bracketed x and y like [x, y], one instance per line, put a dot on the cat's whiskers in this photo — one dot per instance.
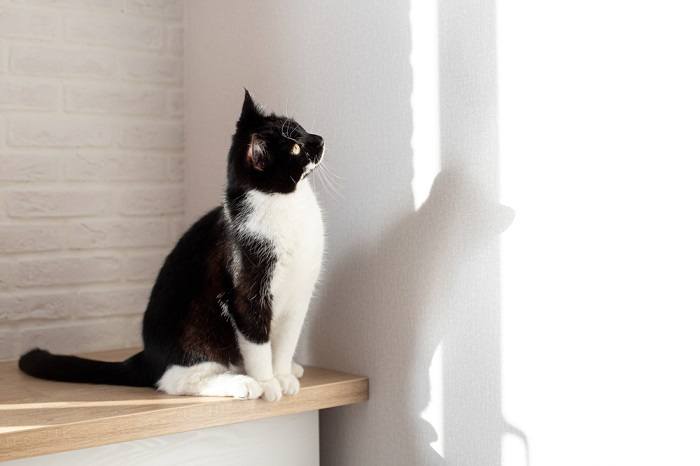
[328, 170]
[285, 128]
[313, 182]
[331, 189]
[327, 173]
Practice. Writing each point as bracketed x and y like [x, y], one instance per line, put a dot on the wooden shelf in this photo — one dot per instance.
[38, 417]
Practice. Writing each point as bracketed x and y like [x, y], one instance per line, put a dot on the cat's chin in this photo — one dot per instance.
[308, 169]
[301, 184]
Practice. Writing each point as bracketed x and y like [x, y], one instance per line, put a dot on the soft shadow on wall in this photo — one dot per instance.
[404, 289]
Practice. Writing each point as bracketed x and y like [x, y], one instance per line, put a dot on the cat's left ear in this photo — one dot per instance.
[256, 156]
[251, 112]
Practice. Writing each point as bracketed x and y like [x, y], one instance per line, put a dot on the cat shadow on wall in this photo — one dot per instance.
[384, 298]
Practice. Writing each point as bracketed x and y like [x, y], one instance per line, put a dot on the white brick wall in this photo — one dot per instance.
[91, 172]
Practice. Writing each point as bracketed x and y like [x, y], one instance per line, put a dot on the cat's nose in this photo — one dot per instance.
[316, 143]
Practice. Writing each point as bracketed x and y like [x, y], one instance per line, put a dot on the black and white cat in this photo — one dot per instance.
[227, 308]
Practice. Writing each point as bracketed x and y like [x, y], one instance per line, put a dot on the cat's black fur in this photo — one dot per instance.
[195, 306]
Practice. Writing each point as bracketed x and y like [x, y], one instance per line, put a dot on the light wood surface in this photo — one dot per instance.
[39, 417]
[291, 440]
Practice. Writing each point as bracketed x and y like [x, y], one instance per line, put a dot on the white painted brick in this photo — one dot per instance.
[177, 228]
[67, 271]
[3, 214]
[176, 103]
[116, 167]
[9, 344]
[132, 300]
[143, 267]
[153, 136]
[20, 22]
[113, 100]
[152, 201]
[57, 203]
[3, 57]
[25, 95]
[43, 131]
[29, 167]
[88, 234]
[110, 61]
[176, 169]
[160, 8]
[8, 275]
[115, 32]
[151, 68]
[81, 336]
[176, 40]
[78, 4]
[29, 238]
[73, 303]
[60, 62]
[35, 306]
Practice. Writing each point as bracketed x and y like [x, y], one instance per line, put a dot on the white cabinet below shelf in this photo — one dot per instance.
[284, 440]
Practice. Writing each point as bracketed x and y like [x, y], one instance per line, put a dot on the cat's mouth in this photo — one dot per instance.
[308, 169]
[311, 165]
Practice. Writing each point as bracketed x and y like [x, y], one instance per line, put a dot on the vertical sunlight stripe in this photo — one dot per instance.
[425, 98]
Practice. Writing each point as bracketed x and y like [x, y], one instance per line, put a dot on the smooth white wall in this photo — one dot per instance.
[409, 297]
[600, 158]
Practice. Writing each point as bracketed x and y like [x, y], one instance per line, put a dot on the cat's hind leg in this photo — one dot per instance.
[208, 379]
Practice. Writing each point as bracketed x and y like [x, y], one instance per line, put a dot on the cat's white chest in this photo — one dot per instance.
[293, 224]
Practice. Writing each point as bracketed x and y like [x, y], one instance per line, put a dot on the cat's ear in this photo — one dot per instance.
[256, 156]
[251, 112]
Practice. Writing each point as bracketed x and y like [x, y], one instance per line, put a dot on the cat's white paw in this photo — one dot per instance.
[297, 370]
[289, 383]
[272, 391]
[236, 386]
[253, 388]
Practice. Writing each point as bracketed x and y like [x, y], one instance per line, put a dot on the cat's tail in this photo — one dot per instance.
[44, 365]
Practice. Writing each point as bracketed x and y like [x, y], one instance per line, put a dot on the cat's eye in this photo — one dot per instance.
[296, 149]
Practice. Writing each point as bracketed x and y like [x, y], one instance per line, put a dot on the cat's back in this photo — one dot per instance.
[188, 282]
[197, 243]
[189, 265]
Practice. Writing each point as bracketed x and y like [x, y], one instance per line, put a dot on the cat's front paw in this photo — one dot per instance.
[289, 383]
[297, 370]
[272, 391]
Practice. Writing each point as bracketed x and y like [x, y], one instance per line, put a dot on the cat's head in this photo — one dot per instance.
[271, 153]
